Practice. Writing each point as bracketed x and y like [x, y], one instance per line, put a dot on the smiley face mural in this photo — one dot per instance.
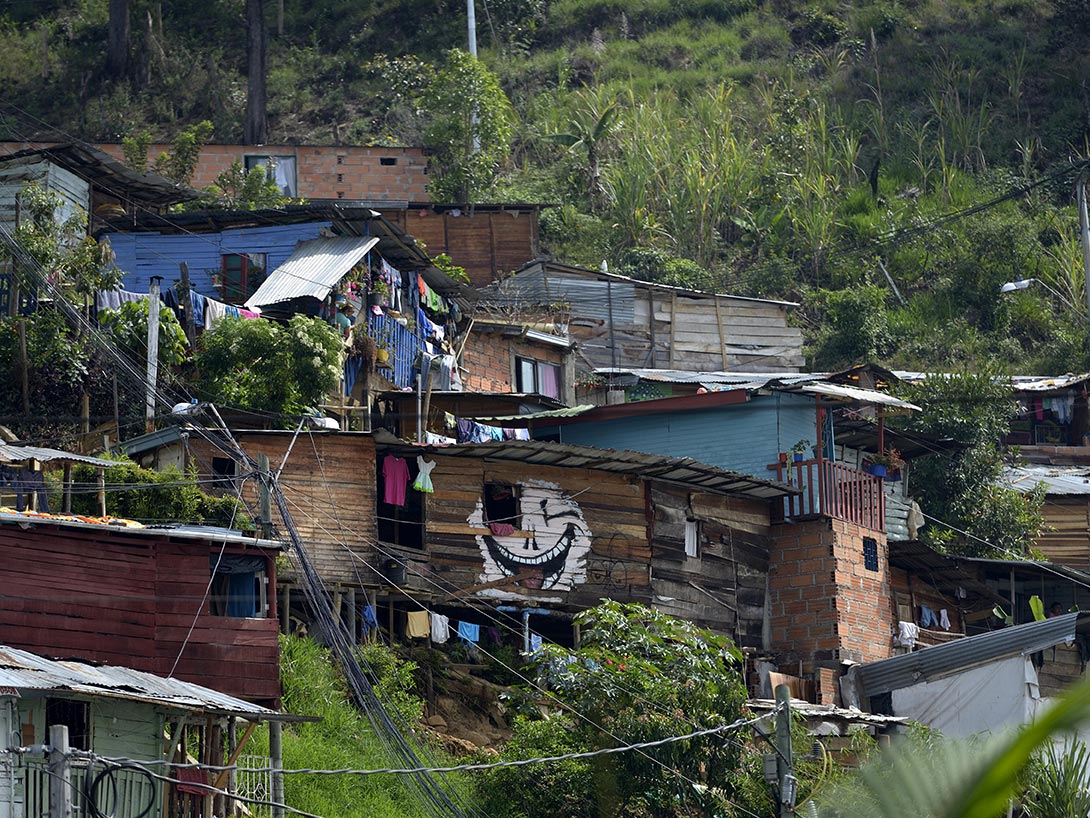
[536, 532]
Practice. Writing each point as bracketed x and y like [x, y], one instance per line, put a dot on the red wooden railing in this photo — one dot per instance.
[834, 490]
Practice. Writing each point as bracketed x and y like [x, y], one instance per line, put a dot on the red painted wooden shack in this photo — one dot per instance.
[194, 603]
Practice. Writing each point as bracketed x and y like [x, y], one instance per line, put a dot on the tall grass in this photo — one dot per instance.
[343, 739]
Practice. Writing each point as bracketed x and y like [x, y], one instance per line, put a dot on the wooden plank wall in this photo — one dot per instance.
[488, 244]
[230, 654]
[910, 591]
[700, 333]
[724, 587]
[1066, 538]
[329, 482]
[1062, 668]
[129, 599]
[613, 507]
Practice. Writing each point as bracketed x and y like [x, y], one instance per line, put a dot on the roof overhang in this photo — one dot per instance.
[678, 470]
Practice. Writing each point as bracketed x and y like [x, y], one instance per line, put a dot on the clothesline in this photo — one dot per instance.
[206, 311]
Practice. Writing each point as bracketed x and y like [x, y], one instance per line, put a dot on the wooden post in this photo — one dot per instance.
[24, 366]
[881, 430]
[673, 325]
[85, 423]
[264, 496]
[285, 610]
[351, 603]
[722, 337]
[60, 773]
[651, 323]
[186, 301]
[232, 756]
[67, 506]
[102, 492]
[215, 758]
[276, 756]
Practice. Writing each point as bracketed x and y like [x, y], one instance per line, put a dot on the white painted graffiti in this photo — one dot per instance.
[545, 542]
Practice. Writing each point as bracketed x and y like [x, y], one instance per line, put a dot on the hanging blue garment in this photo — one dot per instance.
[469, 632]
[370, 620]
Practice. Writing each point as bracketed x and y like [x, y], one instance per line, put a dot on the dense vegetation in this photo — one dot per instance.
[801, 150]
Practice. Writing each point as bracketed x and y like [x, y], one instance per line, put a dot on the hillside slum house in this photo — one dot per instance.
[531, 532]
[194, 602]
[623, 322]
[119, 712]
[87, 183]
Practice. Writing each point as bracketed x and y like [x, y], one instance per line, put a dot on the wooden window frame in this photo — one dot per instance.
[245, 286]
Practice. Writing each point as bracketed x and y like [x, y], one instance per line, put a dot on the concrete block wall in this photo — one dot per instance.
[322, 171]
[826, 606]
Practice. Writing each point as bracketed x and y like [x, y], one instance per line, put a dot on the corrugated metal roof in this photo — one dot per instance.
[554, 267]
[312, 270]
[1019, 383]
[856, 393]
[1058, 480]
[941, 660]
[809, 382]
[213, 535]
[11, 453]
[23, 670]
[736, 380]
[681, 470]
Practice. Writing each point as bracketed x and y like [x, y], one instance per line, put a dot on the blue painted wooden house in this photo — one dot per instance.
[765, 426]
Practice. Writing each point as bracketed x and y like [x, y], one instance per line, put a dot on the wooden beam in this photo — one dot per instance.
[673, 325]
[221, 779]
[496, 583]
[722, 337]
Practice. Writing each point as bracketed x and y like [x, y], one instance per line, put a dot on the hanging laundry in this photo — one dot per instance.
[370, 620]
[423, 478]
[928, 617]
[418, 626]
[907, 634]
[535, 642]
[395, 477]
[113, 299]
[248, 313]
[944, 620]
[214, 311]
[493, 634]
[438, 440]
[469, 632]
[440, 628]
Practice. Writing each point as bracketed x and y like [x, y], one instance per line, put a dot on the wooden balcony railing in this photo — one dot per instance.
[834, 490]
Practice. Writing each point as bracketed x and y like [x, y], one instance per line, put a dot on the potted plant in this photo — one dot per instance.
[380, 292]
[885, 462]
[798, 451]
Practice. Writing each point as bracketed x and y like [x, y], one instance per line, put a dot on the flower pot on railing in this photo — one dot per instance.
[877, 470]
[798, 457]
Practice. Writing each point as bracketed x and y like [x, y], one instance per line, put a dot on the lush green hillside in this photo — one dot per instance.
[783, 149]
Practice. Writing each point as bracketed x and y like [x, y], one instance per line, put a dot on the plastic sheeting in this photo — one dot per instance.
[989, 698]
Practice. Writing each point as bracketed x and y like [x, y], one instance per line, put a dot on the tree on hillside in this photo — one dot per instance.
[269, 367]
[640, 675]
[588, 130]
[117, 52]
[470, 123]
[962, 490]
[257, 121]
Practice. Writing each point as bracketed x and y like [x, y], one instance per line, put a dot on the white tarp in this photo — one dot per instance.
[989, 698]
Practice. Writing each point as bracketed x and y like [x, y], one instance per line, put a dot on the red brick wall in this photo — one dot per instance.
[826, 606]
[488, 358]
[322, 172]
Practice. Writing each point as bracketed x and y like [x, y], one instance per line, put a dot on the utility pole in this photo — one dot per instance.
[785, 768]
[60, 773]
[153, 352]
[264, 496]
[1084, 229]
